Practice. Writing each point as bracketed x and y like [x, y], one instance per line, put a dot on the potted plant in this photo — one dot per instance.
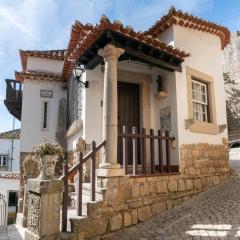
[48, 153]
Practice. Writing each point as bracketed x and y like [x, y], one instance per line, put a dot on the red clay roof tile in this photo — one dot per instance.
[189, 21]
[20, 76]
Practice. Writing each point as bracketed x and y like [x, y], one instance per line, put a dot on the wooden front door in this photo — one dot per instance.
[128, 113]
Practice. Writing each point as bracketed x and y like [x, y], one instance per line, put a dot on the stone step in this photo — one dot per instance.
[65, 236]
[72, 200]
[87, 191]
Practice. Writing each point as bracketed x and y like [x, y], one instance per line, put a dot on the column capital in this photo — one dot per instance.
[110, 52]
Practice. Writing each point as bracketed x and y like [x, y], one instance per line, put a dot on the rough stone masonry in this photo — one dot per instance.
[129, 200]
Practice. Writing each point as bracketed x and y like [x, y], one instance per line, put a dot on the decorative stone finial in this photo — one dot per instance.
[47, 167]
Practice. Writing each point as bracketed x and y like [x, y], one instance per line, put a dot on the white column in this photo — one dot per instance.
[110, 53]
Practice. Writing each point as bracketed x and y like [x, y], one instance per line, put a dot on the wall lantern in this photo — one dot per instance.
[77, 72]
[161, 91]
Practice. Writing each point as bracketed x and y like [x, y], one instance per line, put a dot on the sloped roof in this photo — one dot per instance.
[11, 134]
[49, 54]
[83, 36]
[77, 32]
[33, 75]
[9, 175]
[188, 20]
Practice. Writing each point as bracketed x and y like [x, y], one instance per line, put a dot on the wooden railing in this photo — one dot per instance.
[139, 147]
[79, 169]
[14, 90]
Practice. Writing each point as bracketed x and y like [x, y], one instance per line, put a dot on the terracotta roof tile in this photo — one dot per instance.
[83, 36]
[20, 76]
[11, 134]
[9, 175]
[190, 21]
[78, 31]
[50, 54]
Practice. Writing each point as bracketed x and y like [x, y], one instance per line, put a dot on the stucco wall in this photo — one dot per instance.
[92, 96]
[6, 148]
[32, 132]
[92, 109]
[167, 36]
[44, 65]
[207, 57]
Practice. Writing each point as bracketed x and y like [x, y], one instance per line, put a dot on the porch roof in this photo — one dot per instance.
[86, 40]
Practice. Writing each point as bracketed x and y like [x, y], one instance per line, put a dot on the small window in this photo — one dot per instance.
[3, 160]
[45, 115]
[200, 101]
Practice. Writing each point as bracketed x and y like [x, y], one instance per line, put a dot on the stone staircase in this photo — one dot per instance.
[72, 204]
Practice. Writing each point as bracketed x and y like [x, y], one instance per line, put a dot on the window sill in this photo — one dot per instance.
[196, 126]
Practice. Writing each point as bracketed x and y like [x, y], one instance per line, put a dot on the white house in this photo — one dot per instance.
[10, 171]
[10, 151]
[168, 78]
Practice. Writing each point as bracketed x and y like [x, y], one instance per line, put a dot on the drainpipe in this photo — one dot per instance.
[12, 145]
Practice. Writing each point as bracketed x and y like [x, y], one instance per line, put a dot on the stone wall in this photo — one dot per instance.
[21, 187]
[128, 200]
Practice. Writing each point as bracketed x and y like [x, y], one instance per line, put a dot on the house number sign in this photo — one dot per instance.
[46, 93]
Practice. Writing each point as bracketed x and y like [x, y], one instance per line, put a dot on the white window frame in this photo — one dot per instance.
[42, 115]
[1, 160]
[200, 115]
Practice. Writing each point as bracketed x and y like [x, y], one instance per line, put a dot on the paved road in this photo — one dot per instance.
[214, 214]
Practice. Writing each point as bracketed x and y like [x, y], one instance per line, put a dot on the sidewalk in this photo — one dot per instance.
[14, 232]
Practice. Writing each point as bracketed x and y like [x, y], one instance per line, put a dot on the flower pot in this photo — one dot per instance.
[47, 167]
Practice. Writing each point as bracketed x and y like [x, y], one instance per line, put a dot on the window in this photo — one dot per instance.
[45, 110]
[3, 160]
[200, 101]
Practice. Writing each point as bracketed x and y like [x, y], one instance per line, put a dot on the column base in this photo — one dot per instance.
[110, 170]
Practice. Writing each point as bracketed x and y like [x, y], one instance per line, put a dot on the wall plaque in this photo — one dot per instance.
[165, 119]
[46, 93]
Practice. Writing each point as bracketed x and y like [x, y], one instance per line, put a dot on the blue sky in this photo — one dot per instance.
[46, 24]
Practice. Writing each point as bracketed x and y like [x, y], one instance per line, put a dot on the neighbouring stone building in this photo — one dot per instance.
[119, 87]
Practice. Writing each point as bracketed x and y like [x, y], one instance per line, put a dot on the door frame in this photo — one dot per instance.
[144, 80]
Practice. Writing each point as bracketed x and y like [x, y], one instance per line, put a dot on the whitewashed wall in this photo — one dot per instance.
[32, 131]
[8, 185]
[207, 57]
[92, 109]
[6, 148]
[44, 65]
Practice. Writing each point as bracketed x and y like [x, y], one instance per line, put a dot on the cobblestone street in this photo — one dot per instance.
[214, 214]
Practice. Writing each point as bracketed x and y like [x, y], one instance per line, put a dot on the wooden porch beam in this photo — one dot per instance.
[154, 61]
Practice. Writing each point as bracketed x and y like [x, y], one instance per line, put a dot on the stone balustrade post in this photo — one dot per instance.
[109, 165]
[31, 170]
[44, 203]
